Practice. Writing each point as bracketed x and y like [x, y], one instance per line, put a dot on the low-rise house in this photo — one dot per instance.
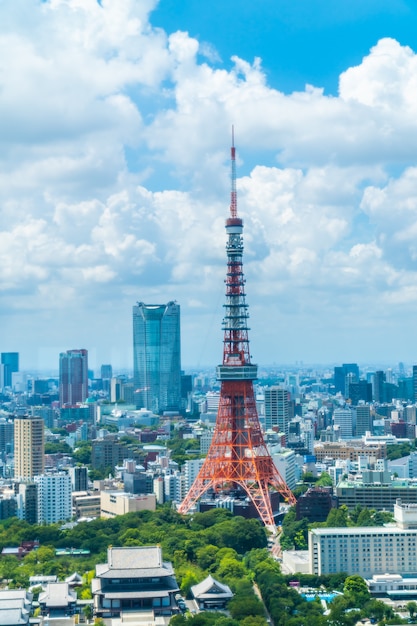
[210, 594]
[134, 580]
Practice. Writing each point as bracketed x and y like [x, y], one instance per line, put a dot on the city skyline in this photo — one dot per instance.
[115, 177]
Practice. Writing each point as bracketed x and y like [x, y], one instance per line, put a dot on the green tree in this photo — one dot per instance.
[338, 518]
[356, 586]
[324, 480]
[206, 556]
[411, 608]
[365, 518]
[243, 606]
[231, 568]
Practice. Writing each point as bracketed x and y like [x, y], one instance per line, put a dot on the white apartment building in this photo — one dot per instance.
[284, 460]
[174, 487]
[367, 550]
[54, 497]
[190, 471]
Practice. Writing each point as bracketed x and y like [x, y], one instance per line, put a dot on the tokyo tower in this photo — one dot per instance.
[238, 455]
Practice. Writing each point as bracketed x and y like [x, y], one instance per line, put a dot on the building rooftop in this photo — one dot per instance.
[138, 561]
[363, 530]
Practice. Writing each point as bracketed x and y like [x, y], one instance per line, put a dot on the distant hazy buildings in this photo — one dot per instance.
[73, 377]
[157, 356]
[28, 447]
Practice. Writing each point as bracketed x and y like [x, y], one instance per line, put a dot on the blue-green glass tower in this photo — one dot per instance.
[157, 356]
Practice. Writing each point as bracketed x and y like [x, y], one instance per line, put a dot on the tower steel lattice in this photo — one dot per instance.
[238, 455]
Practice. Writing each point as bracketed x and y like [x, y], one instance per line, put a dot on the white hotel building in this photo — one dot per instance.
[367, 550]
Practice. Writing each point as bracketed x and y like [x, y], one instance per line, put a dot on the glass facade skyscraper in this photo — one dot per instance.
[10, 362]
[157, 356]
[73, 377]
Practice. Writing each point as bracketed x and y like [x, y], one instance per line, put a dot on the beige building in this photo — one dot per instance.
[29, 445]
[86, 504]
[119, 503]
[349, 450]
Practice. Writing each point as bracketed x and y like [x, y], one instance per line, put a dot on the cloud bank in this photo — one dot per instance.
[114, 187]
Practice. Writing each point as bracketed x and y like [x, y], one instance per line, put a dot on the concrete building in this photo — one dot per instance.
[79, 478]
[350, 450]
[284, 460]
[367, 550]
[73, 377]
[115, 503]
[363, 419]
[376, 495]
[29, 444]
[86, 504]
[277, 410]
[343, 420]
[54, 497]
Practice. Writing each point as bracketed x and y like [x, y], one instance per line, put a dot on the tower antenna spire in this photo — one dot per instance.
[233, 193]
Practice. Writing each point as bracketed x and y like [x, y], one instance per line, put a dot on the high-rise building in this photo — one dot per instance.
[73, 377]
[157, 356]
[10, 362]
[343, 376]
[54, 497]
[379, 381]
[277, 409]
[415, 383]
[79, 478]
[363, 419]
[29, 443]
[344, 420]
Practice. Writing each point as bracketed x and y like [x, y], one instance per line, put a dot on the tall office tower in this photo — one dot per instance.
[106, 371]
[238, 453]
[415, 383]
[379, 381]
[347, 373]
[79, 478]
[157, 356]
[28, 500]
[73, 377]
[54, 497]
[360, 390]
[6, 437]
[344, 420]
[29, 443]
[10, 361]
[277, 410]
[363, 419]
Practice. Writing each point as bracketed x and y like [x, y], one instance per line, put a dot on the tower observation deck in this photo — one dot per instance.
[238, 455]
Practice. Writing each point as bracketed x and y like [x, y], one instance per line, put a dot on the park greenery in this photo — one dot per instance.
[231, 548]
[399, 450]
[294, 534]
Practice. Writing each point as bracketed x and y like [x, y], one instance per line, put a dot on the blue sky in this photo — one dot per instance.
[114, 175]
[299, 41]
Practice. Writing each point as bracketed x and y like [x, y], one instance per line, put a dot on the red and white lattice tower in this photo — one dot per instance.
[238, 455]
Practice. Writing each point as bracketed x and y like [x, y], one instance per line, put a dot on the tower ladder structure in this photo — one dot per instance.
[238, 455]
